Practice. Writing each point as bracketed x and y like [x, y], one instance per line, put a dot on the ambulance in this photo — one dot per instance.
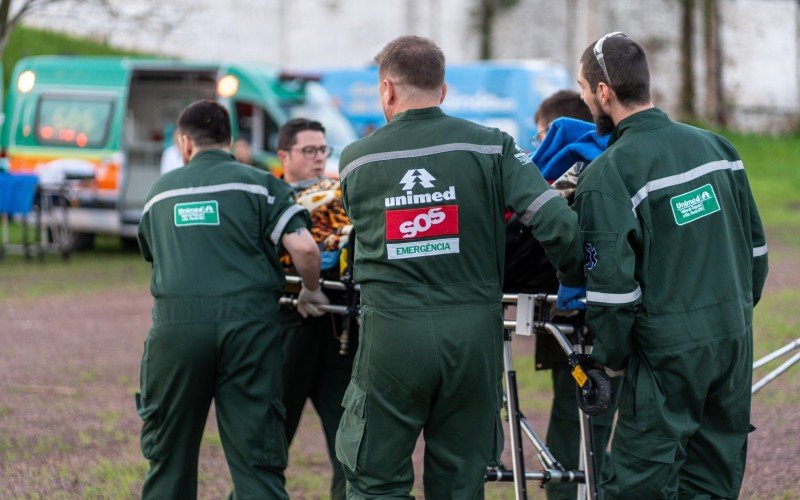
[99, 125]
[501, 94]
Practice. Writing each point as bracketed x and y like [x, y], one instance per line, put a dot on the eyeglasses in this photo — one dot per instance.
[536, 140]
[598, 51]
[311, 152]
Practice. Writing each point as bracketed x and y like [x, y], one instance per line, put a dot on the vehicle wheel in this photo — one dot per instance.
[130, 244]
[80, 242]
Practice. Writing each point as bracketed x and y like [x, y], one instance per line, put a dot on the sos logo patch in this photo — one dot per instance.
[421, 222]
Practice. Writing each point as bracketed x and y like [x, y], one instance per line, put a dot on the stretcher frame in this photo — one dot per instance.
[795, 344]
[526, 324]
[45, 228]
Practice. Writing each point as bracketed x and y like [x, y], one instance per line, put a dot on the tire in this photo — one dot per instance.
[598, 394]
[81, 242]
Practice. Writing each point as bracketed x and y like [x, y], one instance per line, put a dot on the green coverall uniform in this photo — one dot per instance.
[676, 259]
[313, 368]
[211, 231]
[427, 194]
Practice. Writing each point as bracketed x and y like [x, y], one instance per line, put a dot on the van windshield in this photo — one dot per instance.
[73, 121]
[317, 106]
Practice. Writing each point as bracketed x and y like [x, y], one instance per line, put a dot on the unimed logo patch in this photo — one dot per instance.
[197, 213]
[421, 222]
[696, 204]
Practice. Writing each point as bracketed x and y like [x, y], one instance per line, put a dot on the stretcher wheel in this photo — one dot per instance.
[593, 399]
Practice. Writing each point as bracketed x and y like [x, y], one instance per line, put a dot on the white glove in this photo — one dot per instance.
[308, 300]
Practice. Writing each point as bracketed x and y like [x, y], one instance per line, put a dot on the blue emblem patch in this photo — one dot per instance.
[590, 255]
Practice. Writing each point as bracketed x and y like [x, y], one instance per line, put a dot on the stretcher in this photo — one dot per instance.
[41, 207]
[593, 386]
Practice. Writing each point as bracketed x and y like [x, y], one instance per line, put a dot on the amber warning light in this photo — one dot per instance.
[227, 86]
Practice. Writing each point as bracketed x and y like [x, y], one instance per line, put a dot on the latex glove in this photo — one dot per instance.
[308, 300]
[568, 297]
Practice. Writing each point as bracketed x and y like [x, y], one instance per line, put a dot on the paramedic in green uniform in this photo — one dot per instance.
[312, 366]
[427, 194]
[211, 231]
[676, 259]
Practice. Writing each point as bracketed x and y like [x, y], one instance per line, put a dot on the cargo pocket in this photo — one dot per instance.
[600, 256]
[148, 411]
[276, 452]
[351, 429]
[150, 429]
[642, 466]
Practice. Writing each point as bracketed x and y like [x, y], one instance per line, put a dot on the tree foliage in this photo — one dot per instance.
[159, 16]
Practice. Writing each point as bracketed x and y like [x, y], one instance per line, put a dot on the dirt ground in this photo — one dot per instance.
[69, 367]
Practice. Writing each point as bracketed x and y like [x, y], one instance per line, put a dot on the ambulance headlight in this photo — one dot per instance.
[25, 81]
[227, 86]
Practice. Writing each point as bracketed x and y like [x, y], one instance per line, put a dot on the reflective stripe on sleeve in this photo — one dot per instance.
[290, 212]
[217, 188]
[614, 298]
[674, 180]
[534, 207]
[759, 251]
[414, 153]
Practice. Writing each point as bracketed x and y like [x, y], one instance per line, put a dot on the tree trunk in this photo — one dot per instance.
[715, 103]
[5, 29]
[687, 93]
[486, 12]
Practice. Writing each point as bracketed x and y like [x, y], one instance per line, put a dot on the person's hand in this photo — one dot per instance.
[308, 300]
[568, 296]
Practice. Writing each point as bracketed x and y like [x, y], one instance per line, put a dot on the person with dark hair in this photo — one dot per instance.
[313, 367]
[426, 194]
[562, 103]
[676, 259]
[212, 231]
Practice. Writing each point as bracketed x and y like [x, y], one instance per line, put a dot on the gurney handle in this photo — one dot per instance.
[290, 301]
[326, 284]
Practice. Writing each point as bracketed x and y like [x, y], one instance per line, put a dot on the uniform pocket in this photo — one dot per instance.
[276, 451]
[352, 427]
[150, 429]
[642, 466]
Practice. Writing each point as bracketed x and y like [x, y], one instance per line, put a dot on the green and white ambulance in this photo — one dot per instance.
[106, 121]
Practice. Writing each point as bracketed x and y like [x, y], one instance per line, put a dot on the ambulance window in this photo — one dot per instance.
[73, 121]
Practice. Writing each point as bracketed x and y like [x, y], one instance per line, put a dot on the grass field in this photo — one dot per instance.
[67, 424]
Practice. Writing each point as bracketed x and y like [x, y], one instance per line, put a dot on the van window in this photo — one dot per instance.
[73, 121]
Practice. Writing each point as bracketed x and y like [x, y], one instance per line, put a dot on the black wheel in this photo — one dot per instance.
[130, 244]
[594, 397]
[81, 242]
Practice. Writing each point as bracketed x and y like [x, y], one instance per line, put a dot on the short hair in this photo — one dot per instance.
[206, 122]
[413, 60]
[563, 103]
[626, 64]
[287, 135]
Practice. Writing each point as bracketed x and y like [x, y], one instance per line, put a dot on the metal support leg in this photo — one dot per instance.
[512, 406]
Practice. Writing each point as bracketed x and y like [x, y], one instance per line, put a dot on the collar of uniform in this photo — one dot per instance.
[211, 155]
[419, 114]
[648, 119]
